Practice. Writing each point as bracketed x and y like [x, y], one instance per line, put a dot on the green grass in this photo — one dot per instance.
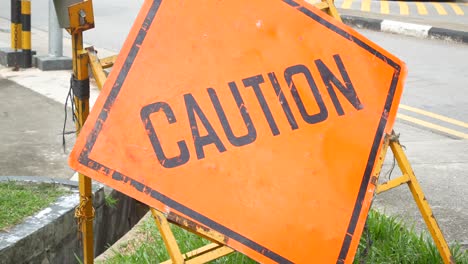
[149, 246]
[19, 200]
[390, 242]
[393, 242]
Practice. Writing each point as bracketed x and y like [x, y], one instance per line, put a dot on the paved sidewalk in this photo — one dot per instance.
[32, 115]
[31, 133]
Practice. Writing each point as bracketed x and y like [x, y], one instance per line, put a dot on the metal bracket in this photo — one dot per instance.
[81, 17]
[204, 254]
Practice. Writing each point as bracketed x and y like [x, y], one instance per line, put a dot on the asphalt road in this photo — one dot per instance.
[437, 77]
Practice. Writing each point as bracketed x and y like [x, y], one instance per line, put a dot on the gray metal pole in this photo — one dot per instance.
[55, 33]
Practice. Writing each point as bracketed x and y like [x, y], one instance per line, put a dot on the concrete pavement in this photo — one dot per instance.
[31, 120]
[31, 133]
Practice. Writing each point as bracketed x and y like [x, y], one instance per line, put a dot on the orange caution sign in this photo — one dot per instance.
[261, 120]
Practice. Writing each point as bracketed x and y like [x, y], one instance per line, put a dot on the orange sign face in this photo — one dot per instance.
[261, 120]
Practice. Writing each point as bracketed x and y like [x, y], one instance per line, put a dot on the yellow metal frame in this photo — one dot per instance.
[16, 25]
[204, 254]
[82, 58]
[96, 67]
[409, 178]
[328, 6]
[81, 19]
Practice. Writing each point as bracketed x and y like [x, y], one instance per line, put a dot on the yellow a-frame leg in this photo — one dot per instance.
[203, 254]
[409, 178]
[82, 18]
[328, 7]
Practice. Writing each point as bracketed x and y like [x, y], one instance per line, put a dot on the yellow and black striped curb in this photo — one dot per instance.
[405, 8]
[403, 28]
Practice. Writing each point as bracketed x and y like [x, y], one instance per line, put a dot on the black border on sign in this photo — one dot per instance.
[96, 166]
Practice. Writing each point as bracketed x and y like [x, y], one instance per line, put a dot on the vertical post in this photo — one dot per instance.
[26, 33]
[81, 18]
[55, 60]
[55, 33]
[80, 87]
[15, 24]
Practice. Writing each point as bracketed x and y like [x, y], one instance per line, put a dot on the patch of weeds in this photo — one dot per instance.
[19, 200]
[149, 247]
[110, 201]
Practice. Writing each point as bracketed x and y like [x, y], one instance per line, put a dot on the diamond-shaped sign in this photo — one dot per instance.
[261, 120]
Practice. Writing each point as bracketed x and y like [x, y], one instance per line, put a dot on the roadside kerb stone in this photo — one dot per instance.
[51, 235]
[404, 28]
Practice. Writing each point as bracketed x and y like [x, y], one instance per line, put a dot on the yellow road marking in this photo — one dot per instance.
[440, 9]
[404, 10]
[433, 126]
[384, 7]
[456, 9]
[435, 116]
[365, 5]
[347, 4]
[421, 8]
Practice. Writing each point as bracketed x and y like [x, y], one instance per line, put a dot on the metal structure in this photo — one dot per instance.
[81, 19]
[16, 25]
[26, 33]
[54, 60]
[16, 29]
[20, 54]
[55, 33]
[409, 178]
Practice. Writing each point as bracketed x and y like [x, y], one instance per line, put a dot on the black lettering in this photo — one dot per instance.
[251, 132]
[166, 162]
[255, 82]
[347, 89]
[200, 141]
[284, 103]
[288, 76]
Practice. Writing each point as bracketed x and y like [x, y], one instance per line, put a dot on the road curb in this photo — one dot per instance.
[404, 28]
